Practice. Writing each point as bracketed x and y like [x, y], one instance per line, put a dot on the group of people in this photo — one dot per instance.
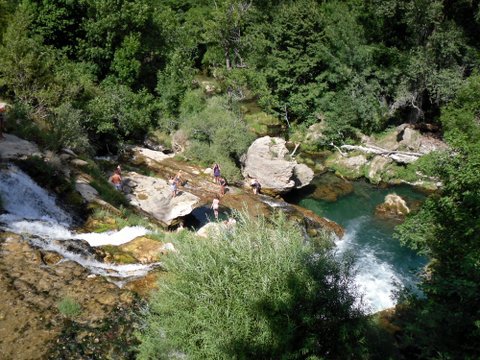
[176, 181]
[218, 179]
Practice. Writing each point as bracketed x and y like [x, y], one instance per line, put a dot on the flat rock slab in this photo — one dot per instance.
[151, 154]
[153, 196]
[12, 147]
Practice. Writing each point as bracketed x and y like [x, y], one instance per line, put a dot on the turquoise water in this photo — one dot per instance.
[381, 262]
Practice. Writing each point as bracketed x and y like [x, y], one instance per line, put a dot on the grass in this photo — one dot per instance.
[106, 220]
[69, 308]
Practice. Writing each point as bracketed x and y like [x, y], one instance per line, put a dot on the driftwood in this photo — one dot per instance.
[404, 157]
[294, 150]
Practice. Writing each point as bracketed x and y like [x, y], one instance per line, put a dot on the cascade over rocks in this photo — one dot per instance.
[268, 161]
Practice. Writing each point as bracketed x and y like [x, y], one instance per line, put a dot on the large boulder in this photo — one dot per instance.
[153, 196]
[393, 207]
[267, 160]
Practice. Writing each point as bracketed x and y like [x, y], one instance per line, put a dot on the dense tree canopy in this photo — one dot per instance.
[352, 64]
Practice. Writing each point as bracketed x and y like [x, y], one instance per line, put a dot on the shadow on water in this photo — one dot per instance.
[203, 215]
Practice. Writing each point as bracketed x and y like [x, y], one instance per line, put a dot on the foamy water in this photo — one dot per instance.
[33, 212]
[376, 279]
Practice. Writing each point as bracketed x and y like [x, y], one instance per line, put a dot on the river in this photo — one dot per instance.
[383, 266]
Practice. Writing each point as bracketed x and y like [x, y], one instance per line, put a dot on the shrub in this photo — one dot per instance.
[66, 126]
[217, 135]
[258, 291]
[68, 307]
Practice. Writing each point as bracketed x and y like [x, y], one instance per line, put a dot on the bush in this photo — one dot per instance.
[66, 126]
[258, 291]
[217, 135]
[68, 307]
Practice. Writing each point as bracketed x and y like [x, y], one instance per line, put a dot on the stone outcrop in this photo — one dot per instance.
[383, 158]
[12, 147]
[393, 207]
[377, 167]
[32, 284]
[153, 196]
[267, 160]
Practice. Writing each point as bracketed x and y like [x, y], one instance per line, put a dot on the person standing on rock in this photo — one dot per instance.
[116, 180]
[215, 206]
[216, 173]
[173, 186]
[222, 183]
[255, 186]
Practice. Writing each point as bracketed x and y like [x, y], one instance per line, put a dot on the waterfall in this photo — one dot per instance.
[375, 278]
[33, 212]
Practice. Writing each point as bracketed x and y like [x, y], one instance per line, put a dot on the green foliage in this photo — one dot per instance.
[25, 64]
[258, 291]
[173, 82]
[68, 307]
[216, 133]
[66, 128]
[118, 112]
[447, 229]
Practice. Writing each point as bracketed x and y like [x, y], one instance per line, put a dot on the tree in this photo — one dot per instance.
[446, 323]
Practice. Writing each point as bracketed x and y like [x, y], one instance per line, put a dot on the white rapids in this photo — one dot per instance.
[375, 279]
[32, 211]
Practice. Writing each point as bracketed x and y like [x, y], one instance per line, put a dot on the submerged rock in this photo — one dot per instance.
[143, 249]
[329, 187]
[268, 161]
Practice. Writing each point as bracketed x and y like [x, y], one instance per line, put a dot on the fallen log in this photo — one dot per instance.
[404, 157]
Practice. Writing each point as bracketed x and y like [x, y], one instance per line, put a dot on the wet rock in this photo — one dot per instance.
[393, 207]
[267, 160]
[51, 258]
[143, 249]
[317, 223]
